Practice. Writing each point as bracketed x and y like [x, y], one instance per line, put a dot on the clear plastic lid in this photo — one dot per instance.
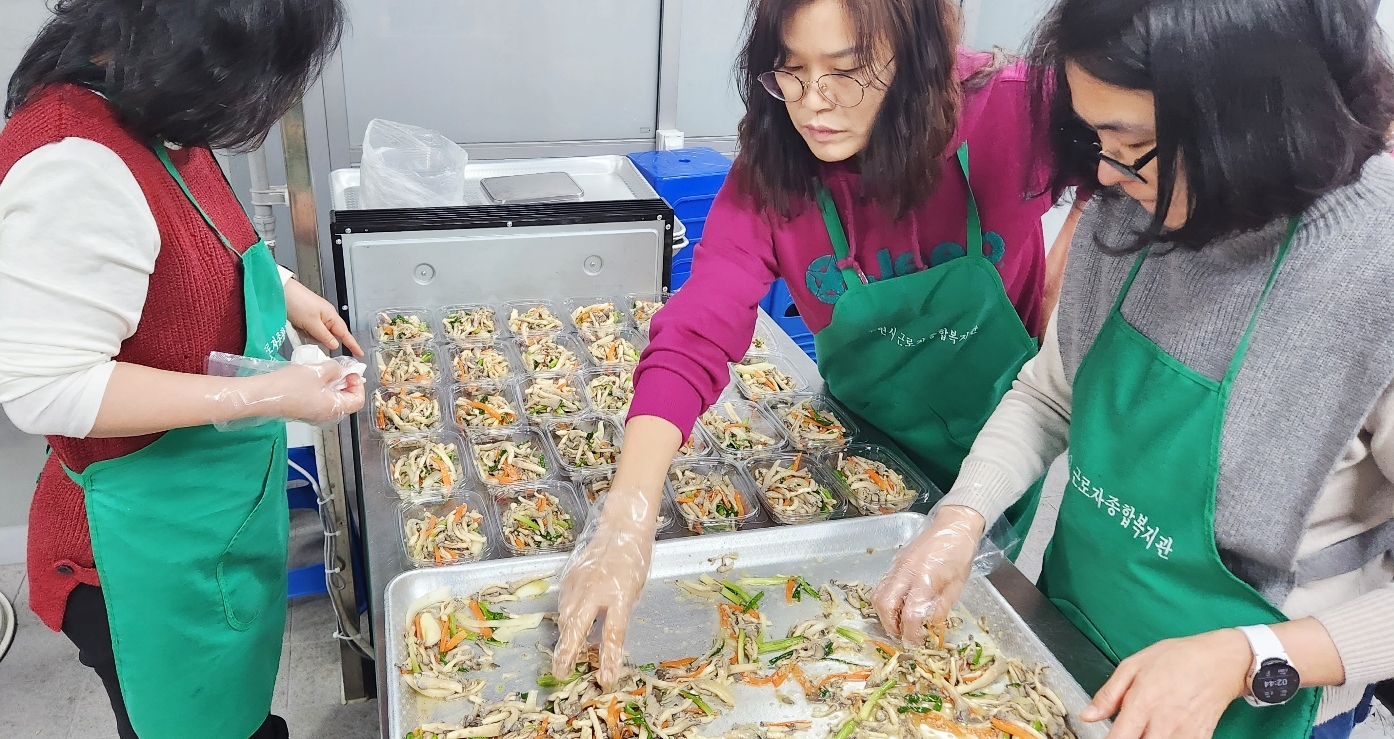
[449, 531]
[407, 409]
[539, 517]
[795, 487]
[738, 429]
[758, 378]
[860, 469]
[470, 323]
[585, 444]
[530, 318]
[592, 485]
[642, 306]
[511, 457]
[552, 396]
[593, 317]
[813, 422]
[426, 466]
[485, 404]
[406, 364]
[552, 353]
[713, 495]
[397, 325]
[496, 360]
[609, 389]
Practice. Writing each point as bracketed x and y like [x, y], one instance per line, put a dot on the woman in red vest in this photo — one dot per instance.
[157, 541]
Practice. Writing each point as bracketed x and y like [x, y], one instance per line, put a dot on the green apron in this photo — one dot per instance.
[190, 536]
[1142, 566]
[926, 357]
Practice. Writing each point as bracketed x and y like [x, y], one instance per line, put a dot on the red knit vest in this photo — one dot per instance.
[193, 307]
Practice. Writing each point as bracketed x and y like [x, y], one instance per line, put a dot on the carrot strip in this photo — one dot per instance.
[487, 409]
[858, 675]
[802, 680]
[479, 614]
[884, 647]
[458, 514]
[797, 460]
[789, 590]
[678, 662]
[1011, 728]
[444, 633]
[879, 480]
[612, 719]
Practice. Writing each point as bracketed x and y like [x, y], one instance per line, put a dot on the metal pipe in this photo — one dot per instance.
[263, 217]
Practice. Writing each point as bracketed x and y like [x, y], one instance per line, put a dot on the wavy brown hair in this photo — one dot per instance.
[903, 159]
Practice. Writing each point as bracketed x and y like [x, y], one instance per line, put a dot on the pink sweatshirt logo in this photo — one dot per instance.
[826, 283]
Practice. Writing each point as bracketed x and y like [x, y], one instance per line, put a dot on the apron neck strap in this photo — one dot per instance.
[975, 221]
[1293, 224]
[163, 154]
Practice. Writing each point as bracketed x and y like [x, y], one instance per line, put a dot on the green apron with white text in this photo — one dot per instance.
[189, 536]
[926, 357]
[1141, 565]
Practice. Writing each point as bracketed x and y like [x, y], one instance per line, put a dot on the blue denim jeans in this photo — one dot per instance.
[1341, 726]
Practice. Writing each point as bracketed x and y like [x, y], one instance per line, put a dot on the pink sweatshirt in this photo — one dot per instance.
[710, 321]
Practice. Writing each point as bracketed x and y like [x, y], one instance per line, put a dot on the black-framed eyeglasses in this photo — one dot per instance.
[1131, 171]
[841, 90]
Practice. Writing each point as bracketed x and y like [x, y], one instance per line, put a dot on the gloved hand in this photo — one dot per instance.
[927, 576]
[606, 572]
[324, 392]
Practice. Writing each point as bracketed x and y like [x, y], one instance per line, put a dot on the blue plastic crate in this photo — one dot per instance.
[683, 173]
[694, 228]
[780, 305]
[682, 267]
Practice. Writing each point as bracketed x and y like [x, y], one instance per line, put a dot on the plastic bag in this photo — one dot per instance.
[409, 167]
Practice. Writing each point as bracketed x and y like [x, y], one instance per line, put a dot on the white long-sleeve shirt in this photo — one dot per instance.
[78, 244]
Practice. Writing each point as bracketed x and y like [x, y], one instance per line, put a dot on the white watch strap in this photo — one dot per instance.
[1266, 645]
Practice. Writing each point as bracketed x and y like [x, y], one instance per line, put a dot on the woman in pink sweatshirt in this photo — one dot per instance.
[853, 184]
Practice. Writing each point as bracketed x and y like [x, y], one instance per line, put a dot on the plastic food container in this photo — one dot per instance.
[435, 477]
[614, 355]
[444, 510]
[517, 329]
[397, 325]
[747, 509]
[615, 402]
[511, 527]
[868, 501]
[497, 472]
[759, 420]
[592, 485]
[529, 350]
[469, 362]
[762, 344]
[392, 363]
[539, 407]
[602, 427]
[783, 407]
[697, 446]
[829, 499]
[612, 321]
[754, 391]
[391, 403]
[471, 411]
[452, 329]
[639, 315]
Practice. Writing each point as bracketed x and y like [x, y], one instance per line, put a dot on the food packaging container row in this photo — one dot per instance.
[751, 391]
[566, 496]
[760, 422]
[443, 507]
[590, 422]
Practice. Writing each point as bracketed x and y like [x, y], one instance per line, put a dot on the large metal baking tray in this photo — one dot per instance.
[669, 625]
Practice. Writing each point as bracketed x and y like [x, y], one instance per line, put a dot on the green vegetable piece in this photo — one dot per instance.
[846, 730]
[978, 656]
[697, 701]
[852, 634]
[784, 656]
[780, 645]
[753, 602]
[870, 704]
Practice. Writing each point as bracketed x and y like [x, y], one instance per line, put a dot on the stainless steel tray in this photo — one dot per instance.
[669, 625]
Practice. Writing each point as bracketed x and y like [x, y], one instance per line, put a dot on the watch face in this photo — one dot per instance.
[1275, 682]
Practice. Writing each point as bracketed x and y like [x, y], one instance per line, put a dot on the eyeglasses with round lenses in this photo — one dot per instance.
[839, 89]
[1130, 171]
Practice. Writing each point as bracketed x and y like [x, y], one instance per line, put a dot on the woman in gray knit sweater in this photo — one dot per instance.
[1219, 367]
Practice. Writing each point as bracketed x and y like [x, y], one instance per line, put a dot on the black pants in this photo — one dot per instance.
[85, 624]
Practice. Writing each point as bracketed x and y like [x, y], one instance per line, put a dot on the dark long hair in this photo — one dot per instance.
[902, 161]
[1266, 104]
[213, 73]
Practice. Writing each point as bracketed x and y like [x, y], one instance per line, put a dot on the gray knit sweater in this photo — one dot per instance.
[1304, 502]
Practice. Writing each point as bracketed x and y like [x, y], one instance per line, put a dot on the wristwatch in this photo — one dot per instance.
[1273, 680]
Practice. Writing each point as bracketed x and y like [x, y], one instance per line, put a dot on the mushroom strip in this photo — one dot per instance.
[406, 409]
[546, 355]
[480, 363]
[401, 327]
[613, 349]
[612, 392]
[427, 465]
[464, 325]
[597, 320]
[551, 396]
[760, 376]
[733, 432]
[535, 520]
[533, 321]
[875, 487]
[644, 310]
[810, 427]
[581, 448]
[451, 538]
[507, 462]
[707, 500]
[407, 363]
[792, 493]
[485, 410]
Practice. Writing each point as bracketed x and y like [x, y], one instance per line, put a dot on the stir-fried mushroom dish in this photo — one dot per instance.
[791, 493]
[761, 378]
[536, 521]
[406, 409]
[810, 428]
[506, 462]
[595, 484]
[484, 408]
[612, 392]
[695, 446]
[733, 431]
[759, 345]
[452, 637]
[549, 355]
[535, 320]
[474, 324]
[407, 363]
[643, 312]
[454, 537]
[597, 320]
[614, 349]
[424, 464]
[402, 327]
[874, 487]
[480, 363]
[552, 396]
[709, 502]
[579, 447]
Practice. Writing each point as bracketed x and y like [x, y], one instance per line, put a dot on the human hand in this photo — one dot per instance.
[317, 318]
[1177, 688]
[927, 576]
[304, 392]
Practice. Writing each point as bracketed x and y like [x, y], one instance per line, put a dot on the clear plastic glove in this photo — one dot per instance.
[606, 573]
[927, 576]
[312, 388]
